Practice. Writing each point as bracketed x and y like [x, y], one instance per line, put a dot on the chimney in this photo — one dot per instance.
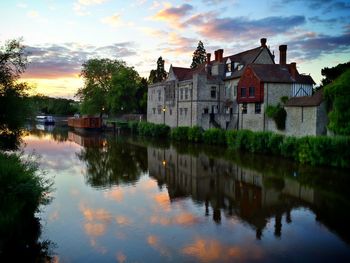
[221, 54]
[283, 54]
[293, 69]
[208, 58]
[216, 55]
[263, 42]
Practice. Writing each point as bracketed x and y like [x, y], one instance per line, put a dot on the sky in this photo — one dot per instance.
[60, 35]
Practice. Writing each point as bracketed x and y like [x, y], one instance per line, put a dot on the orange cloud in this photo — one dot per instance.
[121, 258]
[115, 194]
[153, 241]
[96, 214]
[173, 15]
[210, 250]
[95, 229]
[184, 219]
[122, 220]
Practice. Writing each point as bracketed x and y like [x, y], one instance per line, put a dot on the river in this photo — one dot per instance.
[128, 199]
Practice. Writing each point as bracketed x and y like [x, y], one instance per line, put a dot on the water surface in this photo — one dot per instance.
[125, 199]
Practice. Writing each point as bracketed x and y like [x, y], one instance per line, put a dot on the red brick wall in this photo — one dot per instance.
[247, 80]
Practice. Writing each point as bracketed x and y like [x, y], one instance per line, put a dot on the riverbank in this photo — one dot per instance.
[320, 150]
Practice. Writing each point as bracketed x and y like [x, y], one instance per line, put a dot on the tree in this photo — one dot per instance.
[14, 109]
[199, 55]
[330, 74]
[159, 74]
[338, 94]
[110, 86]
[141, 96]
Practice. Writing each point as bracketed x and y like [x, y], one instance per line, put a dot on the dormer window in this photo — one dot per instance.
[239, 67]
[228, 65]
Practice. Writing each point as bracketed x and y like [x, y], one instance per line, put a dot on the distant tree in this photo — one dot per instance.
[330, 74]
[13, 106]
[141, 96]
[199, 55]
[338, 94]
[110, 86]
[158, 74]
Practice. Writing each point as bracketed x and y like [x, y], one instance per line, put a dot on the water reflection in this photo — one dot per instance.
[110, 161]
[130, 199]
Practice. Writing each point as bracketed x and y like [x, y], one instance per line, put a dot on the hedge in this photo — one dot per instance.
[314, 150]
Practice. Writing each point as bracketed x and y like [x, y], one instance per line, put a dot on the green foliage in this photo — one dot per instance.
[331, 74]
[214, 136]
[158, 74]
[195, 134]
[199, 55]
[153, 130]
[22, 189]
[278, 114]
[289, 147]
[180, 133]
[338, 94]
[242, 140]
[110, 87]
[54, 106]
[133, 126]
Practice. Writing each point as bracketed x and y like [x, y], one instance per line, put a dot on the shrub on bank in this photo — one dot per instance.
[214, 136]
[180, 133]
[195, 134]
[153, 130]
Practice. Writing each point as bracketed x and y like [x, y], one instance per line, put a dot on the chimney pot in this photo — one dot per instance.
[263, 42]
[283, 54]
[219, 54]
[208, 58]
[293, 69]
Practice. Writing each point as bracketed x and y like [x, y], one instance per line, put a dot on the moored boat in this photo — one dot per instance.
[46, 120]
[85, 123]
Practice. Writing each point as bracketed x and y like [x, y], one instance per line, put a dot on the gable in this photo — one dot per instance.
[264, 57]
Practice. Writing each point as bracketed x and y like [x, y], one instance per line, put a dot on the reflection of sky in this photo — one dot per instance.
[130, 223]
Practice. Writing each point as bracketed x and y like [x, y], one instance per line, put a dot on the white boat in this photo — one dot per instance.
[46, 120]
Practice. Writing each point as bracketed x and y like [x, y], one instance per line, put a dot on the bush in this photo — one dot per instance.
[153, 130]
[275, 143]
[214, 136]
[258, 142]
[133, 126]
[180, 133]
[231, 137]
[242, 141]
[278, 114]
[195, 134]
[289, 147]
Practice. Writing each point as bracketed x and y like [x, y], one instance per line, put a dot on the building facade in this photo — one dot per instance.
[229, 92]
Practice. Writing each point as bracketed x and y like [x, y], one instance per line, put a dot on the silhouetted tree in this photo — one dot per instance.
[158, 74]
[330, 74]
[199, 55]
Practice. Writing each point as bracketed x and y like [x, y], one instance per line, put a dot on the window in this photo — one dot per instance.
[228, 67]
[243, 92]
[185, 109]
[180, 111]
[213, 92]
[159, 95]
[186, 93]
[181, 94]
[154, 110]
[244, 108]
[258, 108]
[235, 90]
[159, 111]
[228, 91]
[206, 110]
[170, 111]
[251, 92]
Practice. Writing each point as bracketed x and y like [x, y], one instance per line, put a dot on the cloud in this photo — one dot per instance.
[65, 60]
[80, 6]
[114, 20]
[314, 46]
[173, 15]
[242, 28]
[33, 14]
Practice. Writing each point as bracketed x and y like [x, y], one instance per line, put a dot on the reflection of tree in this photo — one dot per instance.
[20, 243]
[116, 163]
[59, 134]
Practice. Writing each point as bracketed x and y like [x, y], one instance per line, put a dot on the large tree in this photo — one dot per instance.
[109, 86]
[199, 55]
[330, 74]
[338, 94]
[159, 74]
[13, 106]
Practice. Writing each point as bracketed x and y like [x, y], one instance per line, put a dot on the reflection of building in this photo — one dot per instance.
[227, 187]
[93, 140]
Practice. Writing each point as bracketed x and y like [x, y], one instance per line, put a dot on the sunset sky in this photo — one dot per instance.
[61, 34]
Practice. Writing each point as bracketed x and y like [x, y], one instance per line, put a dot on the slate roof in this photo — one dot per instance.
[276, 73]
[187, 73]
[306, 101]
